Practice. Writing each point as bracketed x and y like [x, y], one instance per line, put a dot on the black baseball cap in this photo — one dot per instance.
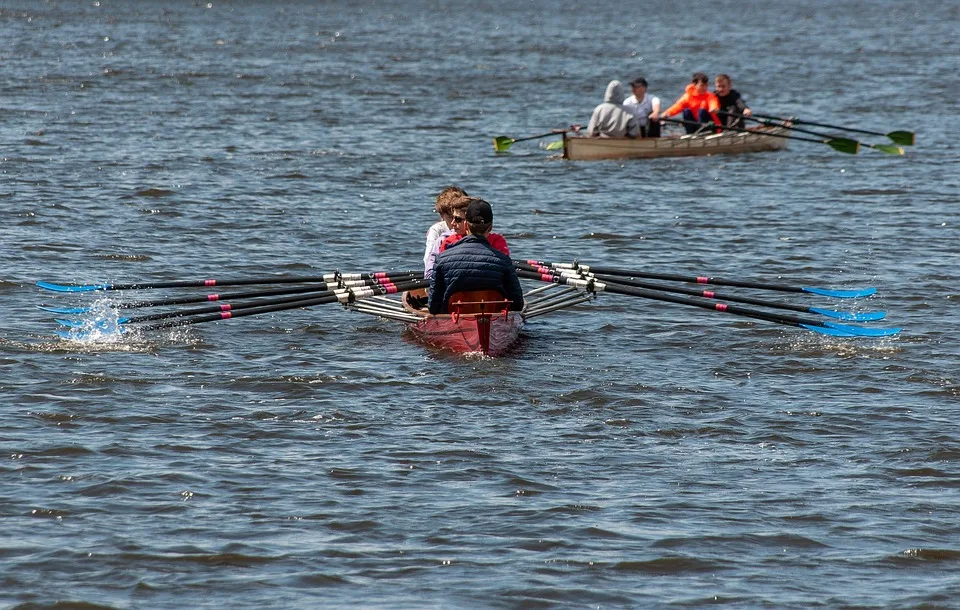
[479, 212]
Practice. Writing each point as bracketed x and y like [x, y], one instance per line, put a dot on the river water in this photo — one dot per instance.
[628, 454]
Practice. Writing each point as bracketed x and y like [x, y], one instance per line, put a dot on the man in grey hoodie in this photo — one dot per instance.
[609, 119]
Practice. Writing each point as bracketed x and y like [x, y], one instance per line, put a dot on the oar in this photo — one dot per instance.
[355, 293]
[890, 149]
[236, 295]
[329, 277]
[868, 316]
[502, 143]
[844, 145]
[344, 297]
[906, 138]
[824, 327]
[827, 292]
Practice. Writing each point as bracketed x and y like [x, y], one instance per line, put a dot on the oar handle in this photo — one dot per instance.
[542, 135]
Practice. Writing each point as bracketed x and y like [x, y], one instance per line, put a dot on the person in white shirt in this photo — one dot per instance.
[442, 227]
[643, 106]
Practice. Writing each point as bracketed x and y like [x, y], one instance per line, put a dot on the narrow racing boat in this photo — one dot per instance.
[479, 321]
[581, 148]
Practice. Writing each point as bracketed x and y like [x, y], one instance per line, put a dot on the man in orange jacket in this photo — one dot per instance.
[697, 103]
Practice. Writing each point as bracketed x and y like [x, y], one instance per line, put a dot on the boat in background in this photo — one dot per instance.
[582, 148]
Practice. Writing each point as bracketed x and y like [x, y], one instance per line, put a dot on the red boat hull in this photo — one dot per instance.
[478, 324]
[465, 335]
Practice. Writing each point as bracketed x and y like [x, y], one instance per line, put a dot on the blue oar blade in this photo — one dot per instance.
[849, 316]
[841, 294]
[862, 331]
[65, 310]
[72, 288]
[68, 323]
[826, 330]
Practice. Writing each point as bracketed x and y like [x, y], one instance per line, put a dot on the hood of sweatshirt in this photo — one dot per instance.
[614, 94]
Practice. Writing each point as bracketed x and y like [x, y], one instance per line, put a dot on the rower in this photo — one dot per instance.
[473, 264]
[697, 104]
[448, 195]
[460, 231]
[455, 209]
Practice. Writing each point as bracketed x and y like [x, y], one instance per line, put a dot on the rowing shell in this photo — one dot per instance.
[581, 148]
[478, 323]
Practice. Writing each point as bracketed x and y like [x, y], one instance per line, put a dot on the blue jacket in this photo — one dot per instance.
[473, 264]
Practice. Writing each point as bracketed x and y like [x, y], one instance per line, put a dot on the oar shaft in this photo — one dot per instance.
[538, 136]
[668, 276]
[347, 293]
[825, 125]
[181, 321]
[329, 277]
[261, 293]
[770, 123]
[649, 294]
[759, 133]
[262, 309]
[828, 292]
[707, 294]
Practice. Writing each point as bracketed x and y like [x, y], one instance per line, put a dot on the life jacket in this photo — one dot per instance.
[696, 101]
[494, 239]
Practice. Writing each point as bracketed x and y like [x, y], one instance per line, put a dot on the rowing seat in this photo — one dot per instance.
[477, 301]
[416, 299]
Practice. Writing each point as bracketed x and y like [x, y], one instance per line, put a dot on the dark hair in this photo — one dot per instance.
[639, 82]
[699, 77]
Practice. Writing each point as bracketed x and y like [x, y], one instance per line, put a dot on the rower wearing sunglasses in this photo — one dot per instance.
[443, 226]
[459, 224]
[452, 212]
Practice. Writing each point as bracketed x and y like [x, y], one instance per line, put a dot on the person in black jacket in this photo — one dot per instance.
[732, 106]
[473, 264]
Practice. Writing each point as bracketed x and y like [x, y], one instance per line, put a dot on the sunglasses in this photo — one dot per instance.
[458, 218]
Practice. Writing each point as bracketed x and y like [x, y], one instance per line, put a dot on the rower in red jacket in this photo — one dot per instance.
[494, 239]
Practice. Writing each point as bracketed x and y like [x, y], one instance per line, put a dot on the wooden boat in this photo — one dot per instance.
[582, 148]
[479, 321]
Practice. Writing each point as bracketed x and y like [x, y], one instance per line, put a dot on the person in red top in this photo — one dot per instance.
[697, 104]
[494, 239]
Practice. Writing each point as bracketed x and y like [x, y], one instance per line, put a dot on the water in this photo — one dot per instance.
[631, 453]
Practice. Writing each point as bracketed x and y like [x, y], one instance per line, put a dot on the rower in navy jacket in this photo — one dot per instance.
[473, 264]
